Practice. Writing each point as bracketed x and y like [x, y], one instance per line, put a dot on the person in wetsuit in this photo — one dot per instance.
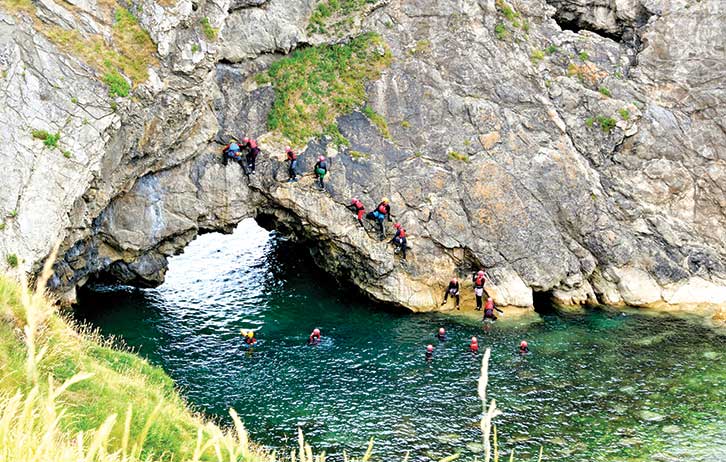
[479, 279]
[489, 310]
[359, 209]
[453, 291]
[474, 345]
[291, 164]
[315, 337]
[321, 169]
[429, 352]
[441, 334]
[250, 338]
[399, 239]
[252, 152]
[523, 347]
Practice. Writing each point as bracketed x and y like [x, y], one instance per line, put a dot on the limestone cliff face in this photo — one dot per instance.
[587, 165]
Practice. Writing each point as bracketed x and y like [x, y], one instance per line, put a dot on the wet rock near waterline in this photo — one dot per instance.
[555, 159]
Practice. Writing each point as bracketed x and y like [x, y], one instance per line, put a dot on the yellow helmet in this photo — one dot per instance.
[385, 200]
[250, 334]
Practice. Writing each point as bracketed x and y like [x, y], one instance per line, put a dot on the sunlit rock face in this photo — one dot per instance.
[586, 165]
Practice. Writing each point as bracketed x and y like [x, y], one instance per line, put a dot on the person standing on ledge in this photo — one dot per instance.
[479, 280]
[384, 213]
[399, 239]
[321, 169]
[291, 164]
[252, 152]
[453, 291]
[314, 337]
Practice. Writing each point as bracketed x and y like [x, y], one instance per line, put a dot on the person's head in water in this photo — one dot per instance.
[429, 351]
[523, 347]
[250, 334]
[316, 332]
[442, 331]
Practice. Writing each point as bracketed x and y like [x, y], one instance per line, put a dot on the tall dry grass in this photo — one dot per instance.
[33, 422]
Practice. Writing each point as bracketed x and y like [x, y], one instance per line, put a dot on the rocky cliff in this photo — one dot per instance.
[575, 148]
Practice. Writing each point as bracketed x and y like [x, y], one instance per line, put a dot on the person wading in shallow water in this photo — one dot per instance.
[474, 345]
[429, 352]
[314, 337]
[523, 347]
[441, 335]
[453, 291]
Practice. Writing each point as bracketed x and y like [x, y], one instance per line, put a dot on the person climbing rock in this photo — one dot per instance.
[399, 239]
[523, 347]
[232, 151]
[489, 310]
[479, 280]
[314, 337]
[453, 291]
[429, 352]
[250, 338]
[252, 152]
[441, 334]
[359, 209]
[291, 164]
[474, 345]
[384, 209]
[321, 169]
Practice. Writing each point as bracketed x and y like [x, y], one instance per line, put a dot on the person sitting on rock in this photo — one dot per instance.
[359, 209]
[232, 151]
[291, 164]
[489, 310]
[453, 291]
[314, 337]
[479, 279]
[321, 169]
[252, 152]
[399, 239]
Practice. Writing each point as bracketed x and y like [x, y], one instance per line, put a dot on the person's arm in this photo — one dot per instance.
[498, 309]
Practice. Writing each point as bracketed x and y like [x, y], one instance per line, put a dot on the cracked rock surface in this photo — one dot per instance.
[589, 166]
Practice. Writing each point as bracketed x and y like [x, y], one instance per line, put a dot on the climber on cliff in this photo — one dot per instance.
[357, 207]
[232, 151]
[489, 310]
[474, 345]
[479, 280]
[291, 164]
[453, 291]
[429, 352]
[321, 169]
[399, 239]
[379, 214]
[252, 152]
[441, 334]
[314, 337]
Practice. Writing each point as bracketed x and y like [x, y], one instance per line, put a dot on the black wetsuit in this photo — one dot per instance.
[252, 156]
[489, 312]
[400, 240]
[314, 339]
[478, 290]
[453, 291]
[359, 211]
[321, 169]
[291, 166]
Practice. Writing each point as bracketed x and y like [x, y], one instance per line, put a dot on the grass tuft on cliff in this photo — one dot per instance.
[314, 86]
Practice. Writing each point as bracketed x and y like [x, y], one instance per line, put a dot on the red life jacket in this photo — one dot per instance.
[382, 209]
[358, 205]
[253, 144]
[490, 305]
[401, 233]
[291, 155]
[480, 280]
[474, 347]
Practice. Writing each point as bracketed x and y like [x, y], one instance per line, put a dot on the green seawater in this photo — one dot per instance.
[599, 385]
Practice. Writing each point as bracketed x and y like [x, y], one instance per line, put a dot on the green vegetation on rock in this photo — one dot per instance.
[624, 114]
[377, 120]
[49, 139]
[117, 84]
[335, 15]
[604, 91]
[314, 86]
[12, 260]
[455, 155]
[209, 31]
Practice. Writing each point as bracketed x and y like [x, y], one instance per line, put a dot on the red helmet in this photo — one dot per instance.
[442, 331]
[523, 344]
[473, 340]
[316, 331]
[480, 273]
[245, 140]
[321, 158]
[430, 348]
[454, 280]
[353, 201]
[397, 225]
[288, 149]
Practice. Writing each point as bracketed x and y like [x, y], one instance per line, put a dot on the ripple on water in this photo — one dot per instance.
[598, 387]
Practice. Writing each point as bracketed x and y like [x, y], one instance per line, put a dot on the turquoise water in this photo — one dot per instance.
[600, 385]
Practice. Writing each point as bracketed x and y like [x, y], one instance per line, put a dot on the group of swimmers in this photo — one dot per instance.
[316, 337]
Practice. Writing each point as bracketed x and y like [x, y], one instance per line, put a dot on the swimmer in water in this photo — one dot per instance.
[314, 337]
[250, 338]
[442, 334]
[523, 347]
[474, 345]
[429, 352]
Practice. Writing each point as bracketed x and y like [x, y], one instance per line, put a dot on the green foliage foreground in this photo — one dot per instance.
[314, 86]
